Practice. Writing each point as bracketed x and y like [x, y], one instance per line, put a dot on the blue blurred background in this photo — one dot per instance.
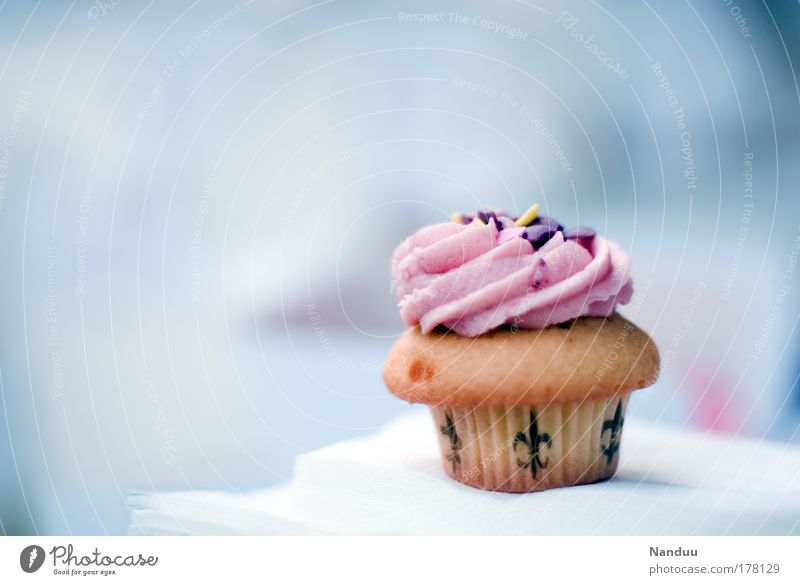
[198, 202]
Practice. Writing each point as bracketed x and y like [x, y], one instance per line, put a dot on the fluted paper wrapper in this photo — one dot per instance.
[531, 448]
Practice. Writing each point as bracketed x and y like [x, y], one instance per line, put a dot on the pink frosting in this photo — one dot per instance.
[472, 279]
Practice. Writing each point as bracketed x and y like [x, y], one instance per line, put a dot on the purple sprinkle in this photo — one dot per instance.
[546, 220]
[486, 214]
[538, 235]
[579, 233]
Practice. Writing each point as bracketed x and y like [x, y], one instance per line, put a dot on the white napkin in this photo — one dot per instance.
[670, 482]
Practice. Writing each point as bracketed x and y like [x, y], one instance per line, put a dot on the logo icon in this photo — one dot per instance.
[449, 431]
[533, 442]
[613, 426]
[31, 558]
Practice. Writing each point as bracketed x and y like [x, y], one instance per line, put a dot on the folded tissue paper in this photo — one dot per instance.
[670, 481]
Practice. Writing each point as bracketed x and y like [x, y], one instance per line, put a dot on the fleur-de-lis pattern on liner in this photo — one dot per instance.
[614, 427]
[449, 430]
[533, 441]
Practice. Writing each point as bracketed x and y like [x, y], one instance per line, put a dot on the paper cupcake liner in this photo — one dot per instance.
[531, 448]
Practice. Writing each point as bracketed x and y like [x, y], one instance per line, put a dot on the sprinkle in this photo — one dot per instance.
[579, 233]
[551, 222]
[458, 218]
[486, 215]
[526, 218]
[477, 221]
[538, 235]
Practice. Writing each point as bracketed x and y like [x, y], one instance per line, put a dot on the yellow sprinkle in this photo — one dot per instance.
[458, 218]
[476, 221]
[526, 218]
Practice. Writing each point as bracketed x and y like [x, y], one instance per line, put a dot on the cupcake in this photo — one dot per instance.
[515, 345]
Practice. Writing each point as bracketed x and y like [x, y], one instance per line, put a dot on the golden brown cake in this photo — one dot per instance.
[531, 409]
